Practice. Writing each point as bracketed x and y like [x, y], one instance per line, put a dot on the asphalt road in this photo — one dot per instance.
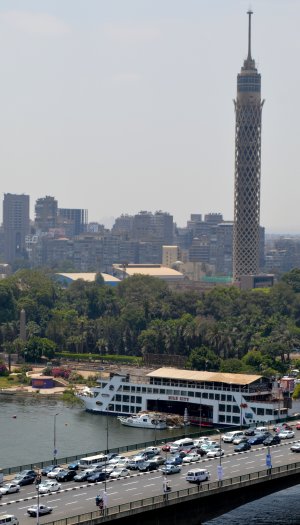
[76, 498]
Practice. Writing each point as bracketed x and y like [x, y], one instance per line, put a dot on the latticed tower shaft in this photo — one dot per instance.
[248, 110]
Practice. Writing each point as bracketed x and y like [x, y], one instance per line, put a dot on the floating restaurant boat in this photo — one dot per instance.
[144, 421]
[207, 398]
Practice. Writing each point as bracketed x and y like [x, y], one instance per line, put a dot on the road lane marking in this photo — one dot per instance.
[72, 502]
[150, 485]
[131, 483]
[247, 462]
[156, 477]
[50, 500]
[111, 493]
[82, 494]
[133, 488]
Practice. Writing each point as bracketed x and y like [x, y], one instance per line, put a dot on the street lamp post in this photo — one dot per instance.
[54, 439]
[219, 467]
[37, 483]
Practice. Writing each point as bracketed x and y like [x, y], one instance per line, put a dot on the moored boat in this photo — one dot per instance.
[144, 421]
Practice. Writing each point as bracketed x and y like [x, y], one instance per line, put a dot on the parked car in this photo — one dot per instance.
[250, 431]
[97, 476]
[66, 475]
[116, 459]
[81, 476]
[176, 460]
[49, 486]
[170, 469]
[282, 426]
[242, 447]
[295, 447]
[111, 455]
[135, 462]
[215, 453]
[272, 440]
[48, 469]
[298, 425]
[43, 509]
[74, 465]
[159, 460]
[200, 451]
[54, 472]
[230, 436]
[166, 447]
[190, 458]
[257, 439]
[286, 434]
[155, 450]
[240, 439]
[119, 473]
[9, 488]
[148, 466]
[26, 477]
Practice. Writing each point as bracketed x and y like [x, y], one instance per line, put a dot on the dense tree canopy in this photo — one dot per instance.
[222, 329]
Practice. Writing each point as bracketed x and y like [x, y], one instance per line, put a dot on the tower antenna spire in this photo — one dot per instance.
[249, 35]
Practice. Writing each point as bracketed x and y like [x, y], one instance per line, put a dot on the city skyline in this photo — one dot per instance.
[126, 108]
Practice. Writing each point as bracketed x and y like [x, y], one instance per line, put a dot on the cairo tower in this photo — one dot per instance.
[248, 110]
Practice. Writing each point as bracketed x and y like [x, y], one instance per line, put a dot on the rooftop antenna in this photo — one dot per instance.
[249, 35]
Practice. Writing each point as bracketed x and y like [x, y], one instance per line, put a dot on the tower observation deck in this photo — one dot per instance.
[248, 111]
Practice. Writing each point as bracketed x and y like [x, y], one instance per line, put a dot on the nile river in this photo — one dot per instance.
[27, 436]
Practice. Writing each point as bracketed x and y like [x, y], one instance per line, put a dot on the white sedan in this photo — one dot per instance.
[190, 458]
[9, 488]
[49, 486]
[54, 472]
[119, 473]
[286, 434]
[216, 452]
[116, 460]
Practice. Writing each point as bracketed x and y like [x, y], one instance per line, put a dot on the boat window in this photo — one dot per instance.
[133, 389]
[191, 394]
[96, 394]
[162, 391]
[132, 399]
[149, 390]
[138, 399]
[125, 399]
[125, 408]
[138, 388]
[132, 409]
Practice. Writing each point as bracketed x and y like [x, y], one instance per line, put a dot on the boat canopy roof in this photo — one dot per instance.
[208, 377]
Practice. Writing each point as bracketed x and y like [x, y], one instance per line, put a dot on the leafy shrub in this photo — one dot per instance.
[61, 372]
[3, 370]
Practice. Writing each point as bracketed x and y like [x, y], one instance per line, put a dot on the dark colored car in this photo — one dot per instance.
[66, 475]
[26, 477]
[258, 439]
[111, 455]
[176, 460]
[74, 465]
[250, 431]
[201, 451]
[97, 476]
[272, 440]
[241, 447]
[48, 469]
[82, 476]
[147, 466]
[148, 454]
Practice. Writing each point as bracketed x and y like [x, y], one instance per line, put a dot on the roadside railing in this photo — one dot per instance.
[162, 499]
[125, 448]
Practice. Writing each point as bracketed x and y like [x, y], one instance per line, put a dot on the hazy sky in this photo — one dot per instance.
[119, 106]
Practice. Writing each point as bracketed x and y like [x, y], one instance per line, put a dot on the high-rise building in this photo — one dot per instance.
[46, 213]
[75, 220]
[15, 226]
[248, 111]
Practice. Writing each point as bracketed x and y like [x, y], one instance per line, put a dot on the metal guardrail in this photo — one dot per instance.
[162, 499]
[125, 448]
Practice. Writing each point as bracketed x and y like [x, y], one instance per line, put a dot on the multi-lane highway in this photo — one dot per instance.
[74, 499]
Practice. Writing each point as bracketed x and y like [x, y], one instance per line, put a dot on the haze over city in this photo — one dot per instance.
[126, 106]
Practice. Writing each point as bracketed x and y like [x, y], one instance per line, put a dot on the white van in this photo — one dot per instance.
[261, 429]
[8, 519]
[230, 436]
[197, 475]
[93, 461]
[181, 444]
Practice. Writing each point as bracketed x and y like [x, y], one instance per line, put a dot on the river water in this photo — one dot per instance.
[27, 436]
